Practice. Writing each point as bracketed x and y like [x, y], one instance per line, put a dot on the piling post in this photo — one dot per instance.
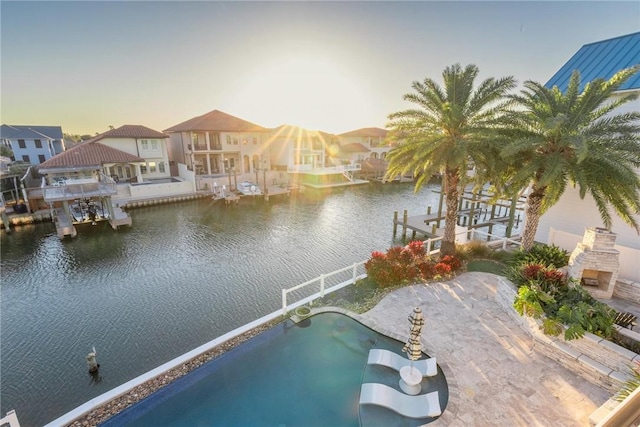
[395, 223]
[512, 214]
[428, 210]
[404, 224]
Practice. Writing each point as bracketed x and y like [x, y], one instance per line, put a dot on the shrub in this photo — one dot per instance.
[546, 290]
[550, 256]
[407, 264]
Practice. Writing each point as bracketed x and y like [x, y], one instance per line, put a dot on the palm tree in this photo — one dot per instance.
[573, 138]
[452, 128]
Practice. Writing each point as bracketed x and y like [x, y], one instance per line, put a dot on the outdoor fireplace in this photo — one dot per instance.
[595, 262]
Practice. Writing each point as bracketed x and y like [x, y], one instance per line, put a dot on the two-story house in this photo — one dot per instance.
[373, 139]
[32, 144]
[140, 141]
[217, 143]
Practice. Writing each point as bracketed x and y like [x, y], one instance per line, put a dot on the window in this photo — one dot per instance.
[152, 167]
[41, 158]
[145, 144]
[235, 140]
[38, 143]
[154, 144]
[255, 140]
[21, 143]
[143, 169]
[161, 167]
[25, 158]
[228, 139]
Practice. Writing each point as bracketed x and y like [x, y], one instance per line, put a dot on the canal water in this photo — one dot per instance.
[182, 275]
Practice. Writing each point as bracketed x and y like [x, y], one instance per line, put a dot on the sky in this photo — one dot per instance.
[331, 66]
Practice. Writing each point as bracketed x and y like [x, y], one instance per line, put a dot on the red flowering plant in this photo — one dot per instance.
[407, 264]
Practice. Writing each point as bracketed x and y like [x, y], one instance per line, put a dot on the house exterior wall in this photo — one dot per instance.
[157, 159]
[35, 155]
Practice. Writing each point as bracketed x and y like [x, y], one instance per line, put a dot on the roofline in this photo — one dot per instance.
[612, 38]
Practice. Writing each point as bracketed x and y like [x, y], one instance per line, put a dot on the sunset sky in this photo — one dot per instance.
[331, 66]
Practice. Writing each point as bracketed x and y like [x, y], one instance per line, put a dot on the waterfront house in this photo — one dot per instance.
[141, 142]
[77, 190]
[374, 140]
[310, 157]
[32, 144]
[217, 143]
[564, 223]
[217, 146]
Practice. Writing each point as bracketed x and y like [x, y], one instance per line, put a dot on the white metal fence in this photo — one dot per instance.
[321, 280]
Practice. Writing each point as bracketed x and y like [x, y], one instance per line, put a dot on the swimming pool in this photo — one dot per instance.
[291, 375]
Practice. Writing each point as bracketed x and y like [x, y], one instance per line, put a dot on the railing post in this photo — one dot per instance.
[428, 246]
[355, 271]
[504, 244]
[284, 302]
[321, 285]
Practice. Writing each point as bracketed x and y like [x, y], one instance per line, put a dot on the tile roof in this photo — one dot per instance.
[20, 131]
[216, 121]
[297, 130]
[129, 131]
[374, 132]
[89, 154]
[356, 147]
[602, 60]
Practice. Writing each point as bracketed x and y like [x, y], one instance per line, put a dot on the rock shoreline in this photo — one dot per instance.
[120, 403]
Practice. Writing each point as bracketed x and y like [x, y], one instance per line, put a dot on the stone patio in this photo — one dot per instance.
[495, 374]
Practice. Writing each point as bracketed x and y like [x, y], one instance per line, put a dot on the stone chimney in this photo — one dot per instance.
[595, 262]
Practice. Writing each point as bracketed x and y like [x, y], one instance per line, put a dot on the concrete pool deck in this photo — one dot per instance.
[496, 376]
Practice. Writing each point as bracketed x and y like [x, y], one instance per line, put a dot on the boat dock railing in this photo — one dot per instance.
[321, 281]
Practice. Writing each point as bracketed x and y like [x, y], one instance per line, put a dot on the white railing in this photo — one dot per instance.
[321, 280]
[505, 241]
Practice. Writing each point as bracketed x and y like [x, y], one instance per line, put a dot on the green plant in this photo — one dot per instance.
[550, 256]
[631, 384]
[545, 291]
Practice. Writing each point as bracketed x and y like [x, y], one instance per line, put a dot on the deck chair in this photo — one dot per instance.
[420, 406]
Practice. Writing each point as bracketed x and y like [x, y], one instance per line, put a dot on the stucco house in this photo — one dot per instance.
[564, 223]
[373, 139]
[32, 144]
[139, 141]
[217, 142]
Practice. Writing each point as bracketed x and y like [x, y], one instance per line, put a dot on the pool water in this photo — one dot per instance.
[291, 375]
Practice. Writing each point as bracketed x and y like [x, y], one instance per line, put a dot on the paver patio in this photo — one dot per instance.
[496, 377]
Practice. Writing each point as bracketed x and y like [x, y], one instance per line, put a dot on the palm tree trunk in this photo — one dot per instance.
[533, 213]
[448, 246]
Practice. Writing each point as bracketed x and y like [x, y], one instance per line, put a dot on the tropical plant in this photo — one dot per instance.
[451, 128]
[550, 256]
[574, 137]
[400, 265]
[631, 384]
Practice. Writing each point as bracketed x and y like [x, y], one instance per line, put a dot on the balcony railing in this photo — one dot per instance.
[204, 147]
[76, 188]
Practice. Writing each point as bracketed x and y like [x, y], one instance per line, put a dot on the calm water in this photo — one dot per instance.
[182, 275]
[288, 376]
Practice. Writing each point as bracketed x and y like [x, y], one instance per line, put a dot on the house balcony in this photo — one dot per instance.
[205, 147]
[71, 189]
